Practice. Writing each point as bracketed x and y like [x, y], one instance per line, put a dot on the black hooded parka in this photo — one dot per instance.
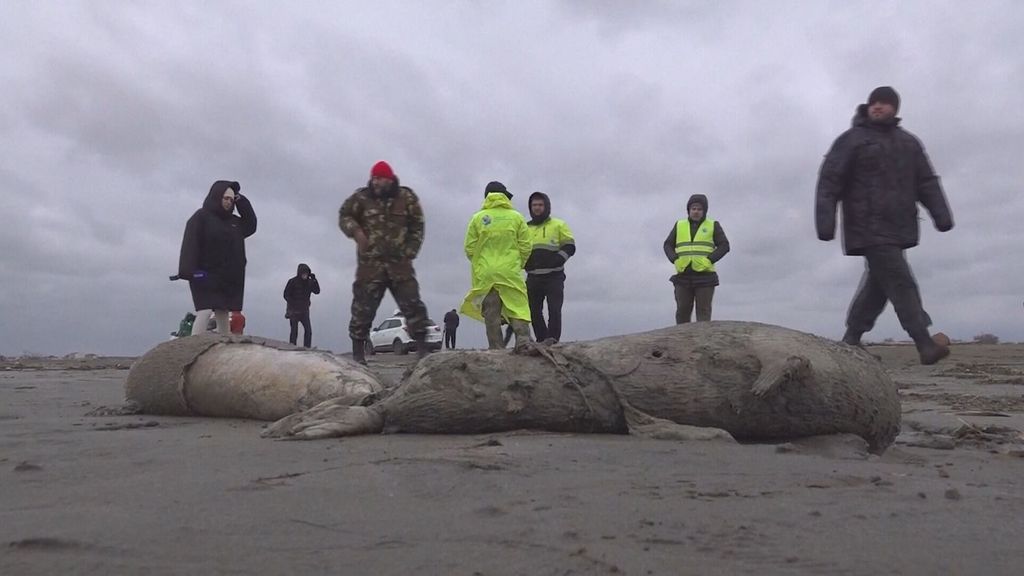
[214, 243]
[878, 172]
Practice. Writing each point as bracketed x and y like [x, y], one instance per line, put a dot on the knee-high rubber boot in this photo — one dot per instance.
[359, 351]
[422, 348]
[521, 329]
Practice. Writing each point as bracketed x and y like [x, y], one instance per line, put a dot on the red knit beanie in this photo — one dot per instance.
[382, 170]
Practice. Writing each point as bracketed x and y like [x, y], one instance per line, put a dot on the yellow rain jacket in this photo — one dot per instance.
[498, 245]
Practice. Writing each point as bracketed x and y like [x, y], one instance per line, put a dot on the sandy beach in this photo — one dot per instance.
[83, 494]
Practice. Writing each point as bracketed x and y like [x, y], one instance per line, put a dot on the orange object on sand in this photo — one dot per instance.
[237, 322]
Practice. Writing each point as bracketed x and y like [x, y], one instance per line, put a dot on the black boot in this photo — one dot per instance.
[359, 351]
[928, 350]
[852, 337]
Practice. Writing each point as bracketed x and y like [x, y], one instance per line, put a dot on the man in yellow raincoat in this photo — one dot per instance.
[498, 245]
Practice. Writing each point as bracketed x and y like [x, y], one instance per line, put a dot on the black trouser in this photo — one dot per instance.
[550, 287]
[449, 338]
[687, 296]
[300, 317]
[887, 278]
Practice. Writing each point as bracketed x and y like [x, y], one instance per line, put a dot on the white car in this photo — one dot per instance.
[392, 335]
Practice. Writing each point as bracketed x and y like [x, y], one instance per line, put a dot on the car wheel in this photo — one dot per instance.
[370, 349]
[399, 347]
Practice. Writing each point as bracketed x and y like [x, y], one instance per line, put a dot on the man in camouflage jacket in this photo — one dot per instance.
[386, 221]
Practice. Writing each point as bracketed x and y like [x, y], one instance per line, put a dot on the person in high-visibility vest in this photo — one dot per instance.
[694, 245]
[553, 245]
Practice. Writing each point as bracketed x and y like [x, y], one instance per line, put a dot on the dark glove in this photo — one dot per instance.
[312, 276]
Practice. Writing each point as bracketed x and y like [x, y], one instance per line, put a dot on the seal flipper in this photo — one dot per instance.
[773, 374]
[328, 419]
[643, 424]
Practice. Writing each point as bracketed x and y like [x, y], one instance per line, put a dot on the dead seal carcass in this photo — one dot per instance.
[755, 381]
[241, 377]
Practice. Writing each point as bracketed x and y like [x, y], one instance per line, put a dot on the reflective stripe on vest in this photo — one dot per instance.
[693, 252]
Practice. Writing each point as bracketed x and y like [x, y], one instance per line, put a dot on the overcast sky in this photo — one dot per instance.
[116, 116]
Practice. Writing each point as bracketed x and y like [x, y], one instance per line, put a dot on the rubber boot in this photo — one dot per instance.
[421, 347]
[927, 349]
[359, 351]
[852, 337]
[490, 309]
[521, 329]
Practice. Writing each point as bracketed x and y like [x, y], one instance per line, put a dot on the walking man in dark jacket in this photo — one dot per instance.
[386, 221]
[553, 245]
[694, 245]
[451, 324]
[297, 293]
[879, 172]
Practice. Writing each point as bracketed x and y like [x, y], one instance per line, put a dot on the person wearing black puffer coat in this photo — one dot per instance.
[879, 172]
[212, 255]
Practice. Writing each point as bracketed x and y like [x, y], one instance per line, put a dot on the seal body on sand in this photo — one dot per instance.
[241, 377]
[754, 381]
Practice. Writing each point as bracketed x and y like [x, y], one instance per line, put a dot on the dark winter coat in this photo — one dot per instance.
[689, 276]
[214, 242]
[451, 320]
[879, 172]
[297, 291]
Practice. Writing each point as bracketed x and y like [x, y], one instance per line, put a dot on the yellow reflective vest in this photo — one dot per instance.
[497, 245]
[547, 240]
[694, 252]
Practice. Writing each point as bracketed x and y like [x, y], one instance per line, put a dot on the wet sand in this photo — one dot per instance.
[155, 495]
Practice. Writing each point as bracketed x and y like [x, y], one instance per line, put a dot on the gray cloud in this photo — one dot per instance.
[123, 115]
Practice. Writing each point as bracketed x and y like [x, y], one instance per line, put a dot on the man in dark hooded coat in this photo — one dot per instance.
[879, 172]
[212, 255]
[297, 293]
[694, 245]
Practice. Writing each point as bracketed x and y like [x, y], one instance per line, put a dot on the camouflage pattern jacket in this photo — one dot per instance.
[392, 222]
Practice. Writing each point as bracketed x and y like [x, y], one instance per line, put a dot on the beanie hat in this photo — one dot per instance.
[496, 186]
[886, 95]
[382, 170]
